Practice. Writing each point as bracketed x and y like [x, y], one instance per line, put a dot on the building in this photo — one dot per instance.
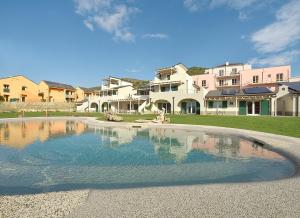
[117, 95]
[222, 76]
[83, 94]
[56, 92]
[18, 89]
[246, 101]
[267, 77]
[174, 90]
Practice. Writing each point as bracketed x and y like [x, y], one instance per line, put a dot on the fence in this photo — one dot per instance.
[36, 106]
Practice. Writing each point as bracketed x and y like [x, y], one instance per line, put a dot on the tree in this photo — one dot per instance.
[196, 71]
[2, 98]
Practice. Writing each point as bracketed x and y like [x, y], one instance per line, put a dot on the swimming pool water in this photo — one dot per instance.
[41, 156]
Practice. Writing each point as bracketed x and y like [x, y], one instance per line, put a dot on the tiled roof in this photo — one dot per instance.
[59, 85]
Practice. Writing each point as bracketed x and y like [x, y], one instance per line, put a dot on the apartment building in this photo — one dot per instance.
[117, 95]
[83, 94]
[56, 92]
[18, 89]
[174, 90]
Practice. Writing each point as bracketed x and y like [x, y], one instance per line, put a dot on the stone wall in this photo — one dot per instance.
[36, 106]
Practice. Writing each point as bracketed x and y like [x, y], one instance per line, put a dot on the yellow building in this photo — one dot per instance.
[56, 92]
[83, 94]
[18, 89]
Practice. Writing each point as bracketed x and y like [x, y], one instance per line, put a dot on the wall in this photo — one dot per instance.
[266, 75]
[15, 89]
[210, 81]
[36, 106]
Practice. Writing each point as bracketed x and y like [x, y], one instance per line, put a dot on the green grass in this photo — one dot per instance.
[289, 126]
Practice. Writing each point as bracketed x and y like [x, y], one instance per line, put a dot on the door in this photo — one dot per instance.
[257, 107]
[249, 107]
[242, 108]
[265, 107]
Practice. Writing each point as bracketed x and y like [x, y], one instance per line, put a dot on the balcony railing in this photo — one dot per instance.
[6, 90]
[69, 95]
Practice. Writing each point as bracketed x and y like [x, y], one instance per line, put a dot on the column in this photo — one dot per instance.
[118, 106]
[294, 106]
[130, 106]
[253, 107]
[298, 106]
[236, 107]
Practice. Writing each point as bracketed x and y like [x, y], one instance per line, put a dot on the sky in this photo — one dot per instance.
[80, 42]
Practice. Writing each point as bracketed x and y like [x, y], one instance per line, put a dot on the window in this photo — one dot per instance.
[233, 81]
[255, 79]
[168, 77]
[6, 88]
[217, 104]
[221, 72]
[234, 70]
[221, 82]
[174, 88]
[231, 103]
[269, 75]
[24, 88]
[279, 77]
[203, 83]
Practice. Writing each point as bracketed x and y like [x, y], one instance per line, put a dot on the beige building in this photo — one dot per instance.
[83, 94]
[56, 92]
[174, 90]
[116, 95]
[18, 89]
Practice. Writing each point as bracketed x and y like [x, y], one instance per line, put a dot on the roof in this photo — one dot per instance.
[58, 85]
[293, 86]
[168, 68]
[229, 64]
[238, 92]
[7, 77]
[92, 89]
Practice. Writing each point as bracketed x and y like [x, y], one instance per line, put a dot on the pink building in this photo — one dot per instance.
[265, 76]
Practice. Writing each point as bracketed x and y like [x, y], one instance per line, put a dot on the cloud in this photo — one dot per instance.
[108, 15]
[192, 5]
[281, 34]
[196, 5]
[235, 4]
[277, 59]
[155, 36]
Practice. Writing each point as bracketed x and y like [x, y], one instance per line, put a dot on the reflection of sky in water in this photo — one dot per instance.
[60, 153]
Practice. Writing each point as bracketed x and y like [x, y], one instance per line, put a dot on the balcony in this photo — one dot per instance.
[69, 96]
[226, 85]
[6, 90]
[231, 75]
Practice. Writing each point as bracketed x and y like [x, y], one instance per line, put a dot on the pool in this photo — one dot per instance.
[55, 155]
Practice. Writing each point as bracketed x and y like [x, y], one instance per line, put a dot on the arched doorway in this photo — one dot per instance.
[105, 107]
[94, 107]
[160, 104]
[189, 106]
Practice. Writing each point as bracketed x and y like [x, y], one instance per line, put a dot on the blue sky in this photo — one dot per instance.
[81, 41]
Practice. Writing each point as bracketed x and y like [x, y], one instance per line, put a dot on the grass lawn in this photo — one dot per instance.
[289, 126]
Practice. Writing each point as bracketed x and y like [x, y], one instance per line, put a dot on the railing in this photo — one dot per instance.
[69, 95]
[189, 91]
[6, 90]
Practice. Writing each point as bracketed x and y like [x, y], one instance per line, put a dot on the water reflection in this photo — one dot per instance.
[37, 156]
[167, 143]
[21, 134]
[177, 144]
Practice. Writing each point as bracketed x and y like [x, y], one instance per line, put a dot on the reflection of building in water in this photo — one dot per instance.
[176, 144]
[21, 134]
[115, 137]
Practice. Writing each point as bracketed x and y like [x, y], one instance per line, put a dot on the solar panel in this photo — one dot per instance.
[294, 86]
[229, 92]
[257, 90]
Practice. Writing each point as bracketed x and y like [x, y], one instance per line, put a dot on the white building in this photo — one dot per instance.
[173, 89]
